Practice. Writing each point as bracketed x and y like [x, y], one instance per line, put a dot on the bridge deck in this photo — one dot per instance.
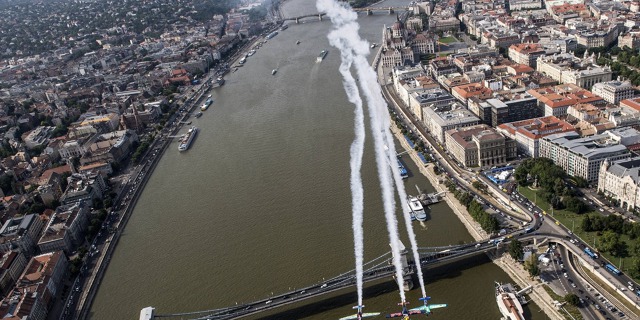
[380, 271]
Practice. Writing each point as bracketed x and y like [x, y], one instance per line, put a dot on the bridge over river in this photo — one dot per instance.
[368, 11]
[376, 269]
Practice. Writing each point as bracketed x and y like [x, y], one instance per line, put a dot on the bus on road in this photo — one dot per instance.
[612, 269]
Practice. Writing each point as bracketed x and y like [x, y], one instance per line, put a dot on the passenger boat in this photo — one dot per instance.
[508, 303]
[186, 139]
[417, 210]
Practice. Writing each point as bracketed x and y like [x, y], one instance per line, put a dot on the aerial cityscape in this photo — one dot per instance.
[292, 159]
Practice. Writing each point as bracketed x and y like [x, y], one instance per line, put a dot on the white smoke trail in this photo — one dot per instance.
[356, 151]
[374, 96]
[346, 29]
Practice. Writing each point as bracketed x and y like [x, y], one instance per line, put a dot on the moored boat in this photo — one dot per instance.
[403, 171]
[219, 81]
[187, 138]
[273, 72]
[417, 209]
[508, 302]
[206, 104]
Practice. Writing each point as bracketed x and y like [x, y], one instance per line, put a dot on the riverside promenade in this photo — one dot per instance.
[514, 269]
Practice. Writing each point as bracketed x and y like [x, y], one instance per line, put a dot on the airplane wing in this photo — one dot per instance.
[364, 315]
[395, 315]
[370, 314]
[437, 306]
[427, 309]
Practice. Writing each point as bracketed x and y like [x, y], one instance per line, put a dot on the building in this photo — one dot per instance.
[441, 66]
[582, 157]
[614, 91]
[83, 187]
[12, 264]
[583, 112]
[438, 121]
[434, 98]
[110, 147]
[555, 101]
[513, 107]
[479, 146]
[527, 133]
[566, 68]
[601, 36]
[20, 233]
[464, 92]
[515, 5]
[71, 149]
[38, 137]
[620, 180]
[526, 53]
[66, 228]
[631, 40]
[36, 289]
[139, 117]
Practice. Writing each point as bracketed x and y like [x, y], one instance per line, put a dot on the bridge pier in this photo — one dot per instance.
[297, 20]
[320, 16]
[407, 270]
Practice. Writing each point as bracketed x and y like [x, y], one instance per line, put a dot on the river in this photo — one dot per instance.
[261, 202]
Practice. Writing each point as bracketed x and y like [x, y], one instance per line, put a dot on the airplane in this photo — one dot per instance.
[360, 315]
[426, 308]
[405, 313]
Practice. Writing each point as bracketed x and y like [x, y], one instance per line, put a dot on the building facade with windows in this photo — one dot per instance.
[582, 157]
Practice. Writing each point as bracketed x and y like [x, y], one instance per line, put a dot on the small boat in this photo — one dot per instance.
[273, 72]
[298, 42]
[252, 52]
[373, 45]
[198, 114]
[321, 56]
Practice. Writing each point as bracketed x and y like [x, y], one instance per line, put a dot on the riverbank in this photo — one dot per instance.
[514, 269]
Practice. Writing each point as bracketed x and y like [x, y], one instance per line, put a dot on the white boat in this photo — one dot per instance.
[243, 60]
[206, 105]
[252, 52]
[373, 45]
[508, 303]
[417, 210]
[273, 72]
[321, 56]
[187, 138]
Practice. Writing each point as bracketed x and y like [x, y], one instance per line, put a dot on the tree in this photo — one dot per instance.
[575, 205]
[515, 250]
[611, 242]
[634, 269]
[572, 299]
[532, 266]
